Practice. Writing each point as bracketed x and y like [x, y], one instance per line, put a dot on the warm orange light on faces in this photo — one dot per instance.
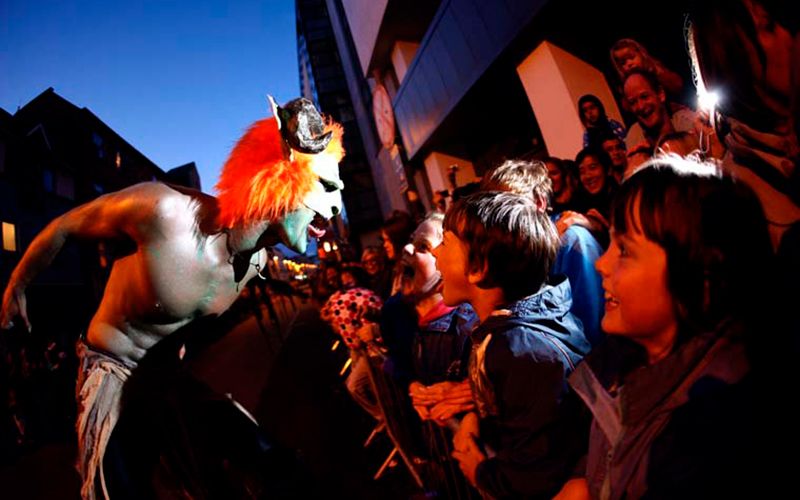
[646, 102]
[452, 260]
[638, 302]
[592, 174]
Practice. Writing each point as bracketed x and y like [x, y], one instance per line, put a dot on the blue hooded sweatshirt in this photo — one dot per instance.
[529, 419]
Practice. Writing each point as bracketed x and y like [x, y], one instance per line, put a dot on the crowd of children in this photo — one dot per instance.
[633, 315]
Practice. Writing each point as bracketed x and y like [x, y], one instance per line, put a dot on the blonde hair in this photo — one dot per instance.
[526, 178]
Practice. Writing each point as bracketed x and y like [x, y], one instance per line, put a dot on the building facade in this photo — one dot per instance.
[323, 81]
[471, 83]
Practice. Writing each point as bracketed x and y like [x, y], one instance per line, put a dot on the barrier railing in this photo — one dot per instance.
[424, 447]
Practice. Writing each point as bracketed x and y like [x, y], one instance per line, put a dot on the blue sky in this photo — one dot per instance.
[179, 80]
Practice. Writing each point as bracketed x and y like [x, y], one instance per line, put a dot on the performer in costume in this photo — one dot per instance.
[187, 256]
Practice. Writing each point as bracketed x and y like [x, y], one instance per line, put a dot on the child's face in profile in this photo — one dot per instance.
[452, 260]
[418, 260]
[638, 303]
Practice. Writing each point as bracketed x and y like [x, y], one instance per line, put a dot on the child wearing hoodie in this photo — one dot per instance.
[524, 437]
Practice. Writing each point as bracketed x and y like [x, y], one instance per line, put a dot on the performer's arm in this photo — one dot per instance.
[127, 213]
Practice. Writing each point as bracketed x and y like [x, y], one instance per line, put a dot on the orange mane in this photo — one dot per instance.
[257, 183]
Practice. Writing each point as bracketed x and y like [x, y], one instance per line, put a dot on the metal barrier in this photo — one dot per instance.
[441, 473]
[424, 447]
[282, 301]
[395, 407]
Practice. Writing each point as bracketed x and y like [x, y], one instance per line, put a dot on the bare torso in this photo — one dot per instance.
[175, 274]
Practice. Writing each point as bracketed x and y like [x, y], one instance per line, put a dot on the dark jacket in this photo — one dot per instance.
[442, 346]
[398, 324]
[681, 428]
[520, 361]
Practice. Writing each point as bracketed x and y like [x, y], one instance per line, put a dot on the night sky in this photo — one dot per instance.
[179, 80]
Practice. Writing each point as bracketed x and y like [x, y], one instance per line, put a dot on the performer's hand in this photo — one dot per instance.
[14, 305]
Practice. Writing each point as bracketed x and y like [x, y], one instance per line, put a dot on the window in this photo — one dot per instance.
[58, 183]
[9, 237]
[118, 160]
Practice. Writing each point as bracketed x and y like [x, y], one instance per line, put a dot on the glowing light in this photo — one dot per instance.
[326, 246]
[707, 101]
[345, 367]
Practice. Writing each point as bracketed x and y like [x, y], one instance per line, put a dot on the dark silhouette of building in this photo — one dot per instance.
[53, 157]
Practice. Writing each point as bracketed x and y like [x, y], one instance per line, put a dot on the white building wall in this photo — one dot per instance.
[364, 18]
[554, 80]
[437, 166]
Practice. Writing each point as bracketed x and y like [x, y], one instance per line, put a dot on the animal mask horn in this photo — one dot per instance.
[301, 125]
